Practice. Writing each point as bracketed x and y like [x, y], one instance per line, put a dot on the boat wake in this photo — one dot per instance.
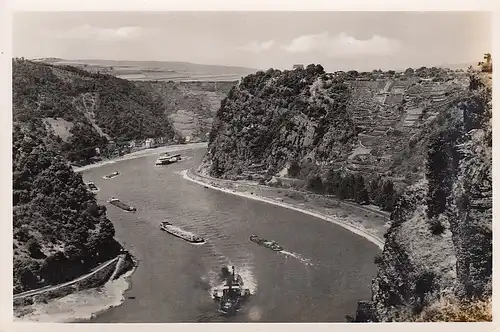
[217, 279]
[305, 261]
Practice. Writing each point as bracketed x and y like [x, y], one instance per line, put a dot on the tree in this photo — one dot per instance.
[344, 191]
[332, 182]
[388, 196]
[294, 169]
[34, 249]
[360, 192]
[315, 184]
[375, 191]
[409, 71]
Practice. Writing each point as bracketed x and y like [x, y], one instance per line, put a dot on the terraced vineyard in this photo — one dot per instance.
[392, 112]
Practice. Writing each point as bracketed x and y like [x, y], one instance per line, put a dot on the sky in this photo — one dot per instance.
[262, 40]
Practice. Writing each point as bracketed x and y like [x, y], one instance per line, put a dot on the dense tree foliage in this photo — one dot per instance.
[354, 187]
[60, 231]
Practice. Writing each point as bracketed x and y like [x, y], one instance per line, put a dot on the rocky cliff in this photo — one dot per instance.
[437, 260]
[308, 124]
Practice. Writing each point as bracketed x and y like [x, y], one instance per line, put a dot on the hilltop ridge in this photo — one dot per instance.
[86, 110]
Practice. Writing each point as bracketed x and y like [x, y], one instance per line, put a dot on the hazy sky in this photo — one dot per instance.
[337, 40]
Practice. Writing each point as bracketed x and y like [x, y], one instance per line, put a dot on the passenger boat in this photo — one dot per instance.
[92, 186]
[266, 243]
[112, 175]
[167, 159]
[116, 202]
[180, 233]
[232, 295]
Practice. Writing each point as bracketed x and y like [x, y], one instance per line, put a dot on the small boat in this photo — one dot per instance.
[180, 233]
[167, 159]
[92, 186]
[116, 202]
[112, 175]
[232, 295]
[266, 243]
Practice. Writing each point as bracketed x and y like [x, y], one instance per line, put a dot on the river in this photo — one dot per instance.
[321, 276]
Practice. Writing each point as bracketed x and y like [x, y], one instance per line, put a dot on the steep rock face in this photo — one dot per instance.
[439, 244]
[272, 118]
[318, 121]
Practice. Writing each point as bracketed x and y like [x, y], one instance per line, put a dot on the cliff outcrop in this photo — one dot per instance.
[369, 128]
[437, 260]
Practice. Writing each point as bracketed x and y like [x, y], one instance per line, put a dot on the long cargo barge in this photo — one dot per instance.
[273, 245]
[180, 233]
[116, 202]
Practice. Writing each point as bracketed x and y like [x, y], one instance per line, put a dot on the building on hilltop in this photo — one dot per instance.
[298, 66]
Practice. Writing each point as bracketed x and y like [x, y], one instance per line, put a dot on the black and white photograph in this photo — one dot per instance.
[251, 166]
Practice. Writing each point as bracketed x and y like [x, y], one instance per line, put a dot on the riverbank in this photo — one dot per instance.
[371, 225]
[82, 305]
[143, 153]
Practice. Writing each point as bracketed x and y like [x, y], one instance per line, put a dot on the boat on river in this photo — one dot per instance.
[167, 159]
[273, 245]
[232, 295]
[116, 202]
[112, 175]
[180, 233]
[92, 187]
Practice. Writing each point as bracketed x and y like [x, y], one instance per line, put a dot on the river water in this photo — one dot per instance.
[321, 276]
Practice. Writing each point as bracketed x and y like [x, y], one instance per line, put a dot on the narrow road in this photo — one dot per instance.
[51, 288]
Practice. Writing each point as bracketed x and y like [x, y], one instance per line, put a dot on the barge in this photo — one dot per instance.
[167, 159]
[92, 187]
[112, 175]
[116, 202]
[273, 245]
[180, 233]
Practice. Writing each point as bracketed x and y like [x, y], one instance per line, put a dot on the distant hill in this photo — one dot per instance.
[190, 105]
[86, 110]
[156, 70]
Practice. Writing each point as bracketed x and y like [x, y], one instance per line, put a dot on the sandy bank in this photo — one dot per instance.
[143, 153]
[357, 229]
[81, 305]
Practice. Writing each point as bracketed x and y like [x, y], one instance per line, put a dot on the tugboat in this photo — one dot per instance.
[232, 295]
[116, 202]
[92, 186]
[266, 243]
[110, 176]
[167, 159]
[180, 233]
